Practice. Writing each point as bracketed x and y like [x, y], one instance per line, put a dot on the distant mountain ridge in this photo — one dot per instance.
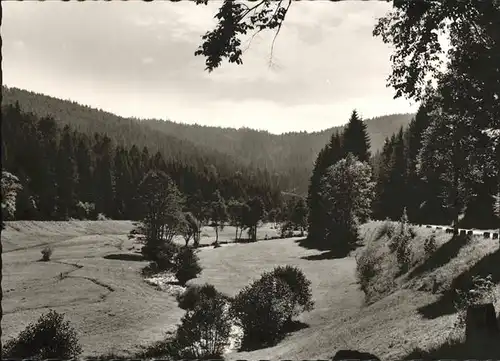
[289, 156]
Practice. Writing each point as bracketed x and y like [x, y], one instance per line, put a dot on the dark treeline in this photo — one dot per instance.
[287, 158]
[421, 169]
[413, 173]
[66, 173]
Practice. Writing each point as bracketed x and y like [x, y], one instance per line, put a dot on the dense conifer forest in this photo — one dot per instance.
[287, 158]
[65, 173]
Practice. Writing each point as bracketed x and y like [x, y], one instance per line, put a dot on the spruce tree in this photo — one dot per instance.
[317, 217]
[356, 139]
[44, 177]
[123, 185]
[67, 176]
[103, 176]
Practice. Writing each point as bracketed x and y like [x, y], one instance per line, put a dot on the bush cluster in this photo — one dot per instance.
[50, 337]
[481, 290]
[194, 293]
[367, 267]
[387, 229]
[204, 331]
[430, 244]
[400, 243]
[265, 308]
[181, 260]
[46, 253]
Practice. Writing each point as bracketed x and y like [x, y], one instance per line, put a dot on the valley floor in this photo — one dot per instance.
[114, 309]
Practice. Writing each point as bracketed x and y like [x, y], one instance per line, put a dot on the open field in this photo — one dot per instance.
[113, 309]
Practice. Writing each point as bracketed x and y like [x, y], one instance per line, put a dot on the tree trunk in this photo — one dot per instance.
[236, 235]
[456, 174]
[216, 235]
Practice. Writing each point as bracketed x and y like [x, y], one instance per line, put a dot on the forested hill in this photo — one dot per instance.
[288, 158]
[277, 151]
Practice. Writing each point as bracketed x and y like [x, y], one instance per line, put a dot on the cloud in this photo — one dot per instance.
[137, 59]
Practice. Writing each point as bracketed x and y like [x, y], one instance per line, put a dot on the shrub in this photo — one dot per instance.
[404, 255]
[150, 269]
[386, 229]
[412, 232]
[204, 331]
[299, 285]
[286, 229]
[402, 235]
[400, 243]
[430, 244]
[167, 255]
[193, 294]
[50, 337]
[367, 267]
[187, 265]
[159, 349]
[101, 217]
[85, 210]
[262, 309]
[481, 290]
[46, 253]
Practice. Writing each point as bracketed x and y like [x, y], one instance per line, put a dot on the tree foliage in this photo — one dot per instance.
[161, 210]
[262, 310]
[347, 192]
[49, 337]
[218, 213]
[204, 331]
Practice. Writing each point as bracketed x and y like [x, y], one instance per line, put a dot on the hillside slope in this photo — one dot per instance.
[257, 147]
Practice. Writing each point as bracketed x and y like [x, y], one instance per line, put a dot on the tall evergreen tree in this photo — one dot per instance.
[85, 166]
[123, 184]
[317, 216]
[44, 178]
[67, 176]
[391, 185]
[416, 188]
[104, 178]
[356, 139]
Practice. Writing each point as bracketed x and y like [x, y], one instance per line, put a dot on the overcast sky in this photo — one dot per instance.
[137, 59]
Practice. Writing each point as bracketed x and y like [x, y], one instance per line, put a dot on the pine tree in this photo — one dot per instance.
[317, 217]
[395, 189]
[67, 177]
[85, 166]
[103, 176]
[123, 185]
[44, 177]
[416, 188]
[356, 139]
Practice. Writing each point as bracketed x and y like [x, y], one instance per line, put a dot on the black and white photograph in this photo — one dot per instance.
[250, 180]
